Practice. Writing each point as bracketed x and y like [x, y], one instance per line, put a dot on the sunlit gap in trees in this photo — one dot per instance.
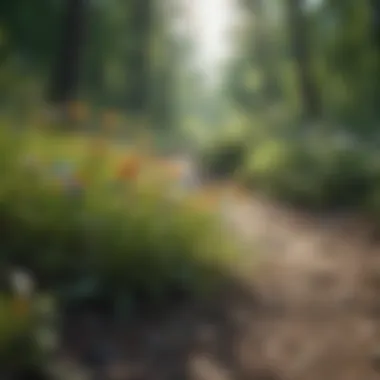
[209, 24]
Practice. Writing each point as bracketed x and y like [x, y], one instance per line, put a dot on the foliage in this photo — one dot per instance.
[223, 159]
[305, 77]
[28, 332]
[87, 214]
[293, 56]
[319, 173]
[116, 63]
[16, 344]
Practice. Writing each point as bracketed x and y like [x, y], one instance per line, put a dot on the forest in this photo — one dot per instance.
[190, 189]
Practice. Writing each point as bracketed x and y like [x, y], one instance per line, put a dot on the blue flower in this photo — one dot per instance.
[63, 169]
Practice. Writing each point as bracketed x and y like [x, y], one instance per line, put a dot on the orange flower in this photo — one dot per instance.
[130, 168]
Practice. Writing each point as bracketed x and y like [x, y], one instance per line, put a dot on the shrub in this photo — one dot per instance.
[312, 173]
[16, 346]
[81, 221]
[28, 334]
[221, 159]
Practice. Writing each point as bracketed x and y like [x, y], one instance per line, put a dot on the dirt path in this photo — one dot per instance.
[306, 307]
[319, 279]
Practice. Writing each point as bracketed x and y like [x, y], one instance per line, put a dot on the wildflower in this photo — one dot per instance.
[22, 284]
[130, 168]
[62, 169]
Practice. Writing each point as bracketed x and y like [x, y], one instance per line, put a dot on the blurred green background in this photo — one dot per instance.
[93, 92]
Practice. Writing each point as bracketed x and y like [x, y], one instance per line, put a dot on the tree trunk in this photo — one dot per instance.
[375, 8]
[66, 74]
[310, 99]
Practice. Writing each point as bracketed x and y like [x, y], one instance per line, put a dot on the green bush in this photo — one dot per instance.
[29, 332]
[313, 173]
[122, 236]
[221, 159]
[16, 346]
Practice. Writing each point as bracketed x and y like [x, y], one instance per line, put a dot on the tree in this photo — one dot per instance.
[112, 53]
[66, 74]
[300, 43]
[343, 46]
[255, 76]
[375, 10]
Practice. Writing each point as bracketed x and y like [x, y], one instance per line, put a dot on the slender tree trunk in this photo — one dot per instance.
[139, 63]
[65, 77]
[375, 8]
[161, 70]
[311, 102]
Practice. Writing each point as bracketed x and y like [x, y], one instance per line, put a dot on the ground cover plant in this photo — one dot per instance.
[89, 220]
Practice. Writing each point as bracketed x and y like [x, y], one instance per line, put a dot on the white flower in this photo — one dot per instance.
[22, 283]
